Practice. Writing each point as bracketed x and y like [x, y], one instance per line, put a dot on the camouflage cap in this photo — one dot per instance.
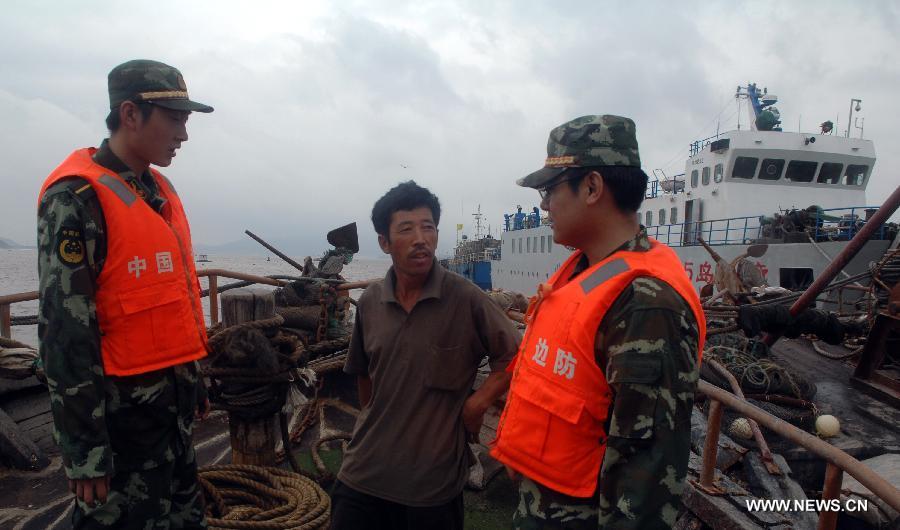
[151, 81]
[587, 141]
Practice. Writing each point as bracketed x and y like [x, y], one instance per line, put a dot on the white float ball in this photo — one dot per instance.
[827, 426]
[741, 429]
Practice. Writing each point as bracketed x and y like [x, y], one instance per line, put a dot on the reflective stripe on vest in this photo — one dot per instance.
[552, 428]
[148, 296]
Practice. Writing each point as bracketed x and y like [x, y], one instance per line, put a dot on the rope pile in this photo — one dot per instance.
[262, 498]
[749, 362]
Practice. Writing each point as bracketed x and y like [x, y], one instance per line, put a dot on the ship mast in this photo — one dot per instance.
[478, 217]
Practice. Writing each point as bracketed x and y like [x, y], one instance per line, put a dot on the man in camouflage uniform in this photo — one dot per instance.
[125, 441]
[647, 343]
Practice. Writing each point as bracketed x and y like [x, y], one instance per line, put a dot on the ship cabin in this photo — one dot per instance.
[734, 178]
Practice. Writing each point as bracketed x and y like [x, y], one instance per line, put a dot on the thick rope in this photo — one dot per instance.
[836, 356]
[751, 370]
[263, 498]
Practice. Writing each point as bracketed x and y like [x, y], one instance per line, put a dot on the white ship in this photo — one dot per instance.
[733, 184]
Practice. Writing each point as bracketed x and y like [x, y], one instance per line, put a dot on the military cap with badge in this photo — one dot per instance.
[588, 141]
[143, 80]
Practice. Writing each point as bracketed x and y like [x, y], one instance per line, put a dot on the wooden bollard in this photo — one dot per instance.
[252, 441]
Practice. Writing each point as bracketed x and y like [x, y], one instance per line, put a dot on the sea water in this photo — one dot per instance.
[18, 273]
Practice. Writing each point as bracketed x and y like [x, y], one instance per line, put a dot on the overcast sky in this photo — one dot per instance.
[323, 106]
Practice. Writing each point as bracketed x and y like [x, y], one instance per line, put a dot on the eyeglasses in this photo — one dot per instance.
[546, 191]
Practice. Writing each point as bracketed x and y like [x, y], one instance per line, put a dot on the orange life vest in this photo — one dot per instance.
[148, 295]
[552, 428]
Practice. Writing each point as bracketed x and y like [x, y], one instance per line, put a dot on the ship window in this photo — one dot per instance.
[512, 245]
[744, 167]
[528, 245]
[830, 173]
[771, 169]
[694, 178]
[855, 174]
[520, 245]
[549, 243]
[649, 218]
[800, 171]
[662, 216]
[717, 173]
[542, 244]
[705, 177]
[673, 215]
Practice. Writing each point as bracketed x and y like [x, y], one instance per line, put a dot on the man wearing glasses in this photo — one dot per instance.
[121, 324]
[597, 422]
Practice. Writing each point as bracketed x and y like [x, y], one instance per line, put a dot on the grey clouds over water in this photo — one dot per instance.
[322, 106]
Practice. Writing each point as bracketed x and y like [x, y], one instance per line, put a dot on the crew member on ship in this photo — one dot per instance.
[121, 325]
[597, 422]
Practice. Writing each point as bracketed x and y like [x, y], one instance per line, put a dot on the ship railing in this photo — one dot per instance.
[849, 221]
[731, 231]
[487, 254]
[213, 275]
[831, 224]
[657, 187]
[698, 145]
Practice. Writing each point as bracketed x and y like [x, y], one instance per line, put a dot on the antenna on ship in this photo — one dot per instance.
[478, 217]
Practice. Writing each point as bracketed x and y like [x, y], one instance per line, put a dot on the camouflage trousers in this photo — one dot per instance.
[165, 497]
[543, 509]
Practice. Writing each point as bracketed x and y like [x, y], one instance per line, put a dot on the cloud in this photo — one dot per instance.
[322, 107]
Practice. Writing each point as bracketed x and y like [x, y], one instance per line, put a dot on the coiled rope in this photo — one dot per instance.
[262, 498]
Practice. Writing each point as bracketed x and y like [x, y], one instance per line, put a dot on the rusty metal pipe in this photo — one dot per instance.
[711, 445]
[843, 258]
[348, 286]
[213, 299]
[864, 474]
[764, 450]
[18, 297]
[274, 250]
[5, 322]
[241, 276]
[834, 476]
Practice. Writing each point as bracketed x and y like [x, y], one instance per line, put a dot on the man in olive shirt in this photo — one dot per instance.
[417, 343]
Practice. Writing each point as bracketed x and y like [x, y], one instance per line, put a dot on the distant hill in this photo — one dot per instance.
[10, 244]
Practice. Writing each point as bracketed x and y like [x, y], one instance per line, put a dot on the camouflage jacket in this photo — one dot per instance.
[102, 424]
[647, 344]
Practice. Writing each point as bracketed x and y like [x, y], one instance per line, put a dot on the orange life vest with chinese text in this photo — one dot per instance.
[552, 428]
[147, 295]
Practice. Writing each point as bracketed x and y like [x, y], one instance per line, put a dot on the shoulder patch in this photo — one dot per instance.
[70, 246]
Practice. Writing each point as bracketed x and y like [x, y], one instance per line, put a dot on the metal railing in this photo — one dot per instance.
[698, 145]
[6, 301]
[837, 462]
[487, 254]
[657, 187]
[731, 231]
[851, 220]
[832, 224]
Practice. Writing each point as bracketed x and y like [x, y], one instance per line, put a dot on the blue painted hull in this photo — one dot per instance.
[478, 272]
